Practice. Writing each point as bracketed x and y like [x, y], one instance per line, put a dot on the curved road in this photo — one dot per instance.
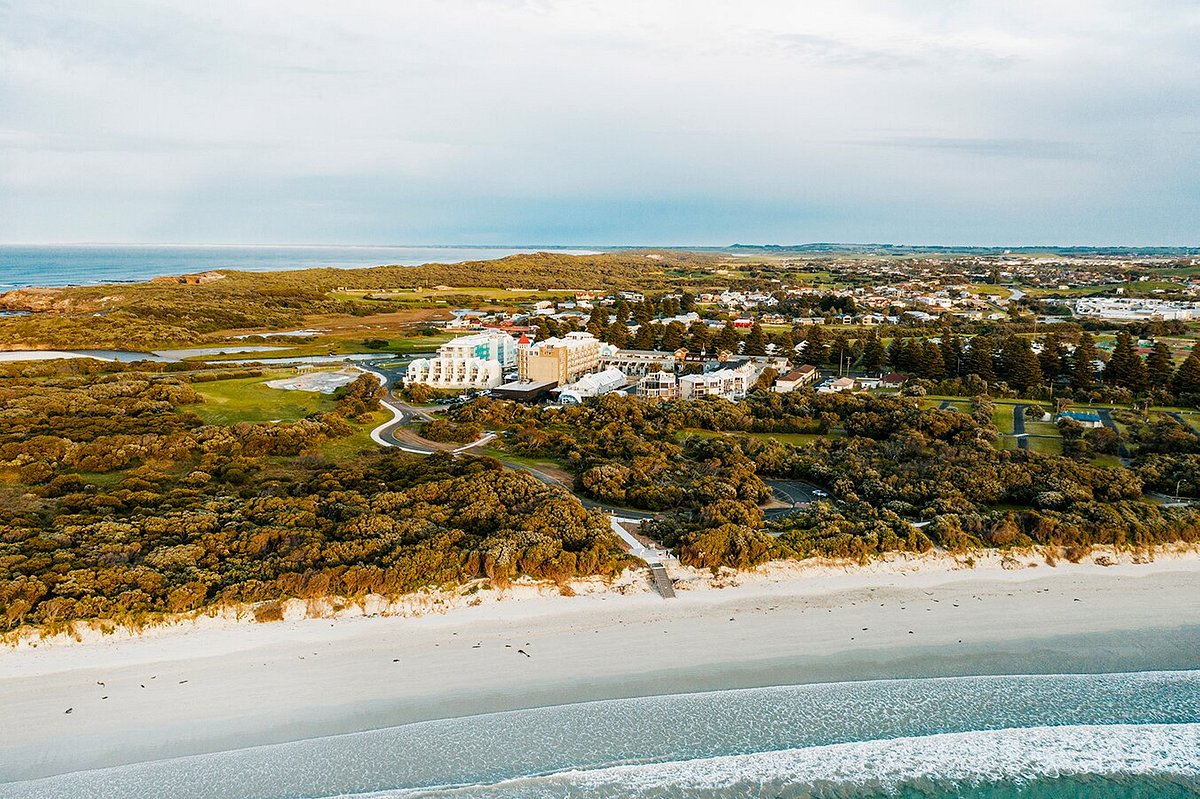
[391, 434]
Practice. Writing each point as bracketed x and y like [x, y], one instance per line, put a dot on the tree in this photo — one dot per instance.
[874, 356]
[839, 352]
[756, 341]
[1159, 366]
[1125, 367]
[978, 360]
[699, 337]
[900, 355]
[644, 338]
[815, 351]
[673, 337]
[932, 365]
[952, 355]
[728, 338]
[617, 334]
[1052, 356]
[1019, 365]
[1187, 376]
[1083, 363]
[598, 320]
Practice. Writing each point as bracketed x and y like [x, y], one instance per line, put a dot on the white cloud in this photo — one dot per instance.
[924, 120]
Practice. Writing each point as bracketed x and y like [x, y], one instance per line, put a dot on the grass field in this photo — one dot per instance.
[1049, 446]
[351, 445]
[250, 400]
[443, 294]
[344, 346]
[1002, 417]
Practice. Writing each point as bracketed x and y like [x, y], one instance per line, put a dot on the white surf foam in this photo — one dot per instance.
[1010, 755]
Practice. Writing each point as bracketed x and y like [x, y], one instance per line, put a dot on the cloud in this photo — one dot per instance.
[988, 148]
[598, 120]
[822, 49]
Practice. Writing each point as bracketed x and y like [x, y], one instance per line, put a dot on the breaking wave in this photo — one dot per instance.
[1166, 758]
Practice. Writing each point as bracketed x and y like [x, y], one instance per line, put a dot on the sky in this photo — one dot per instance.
[600, 122]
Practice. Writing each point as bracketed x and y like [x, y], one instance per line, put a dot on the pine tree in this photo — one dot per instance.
[899, 356]
[598, 321]
[874, 356]
[622, 310]
[978, 360]
[932, 365]
[1019, 365]
[783, 343]
[728, 338]
[699, 337]
[839, 352]
[673, 337]
[1083, 363]
[617, 334]
[643, 312]
[1125, 367]
[1187, 376]
[952, 355]
[756, 341]
[1159, 366]
[1051, 356]
[816, 352]
[644, 339]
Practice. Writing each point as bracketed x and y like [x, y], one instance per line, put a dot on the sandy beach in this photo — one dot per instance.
[218, 683]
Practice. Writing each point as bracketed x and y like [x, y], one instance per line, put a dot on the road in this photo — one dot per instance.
[393, 433]
[1019, 426]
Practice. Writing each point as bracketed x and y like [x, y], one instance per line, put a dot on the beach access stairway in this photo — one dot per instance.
[662, 582]
[654, 558]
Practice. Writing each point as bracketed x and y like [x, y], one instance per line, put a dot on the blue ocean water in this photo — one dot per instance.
[1101, 736]
[67, 265]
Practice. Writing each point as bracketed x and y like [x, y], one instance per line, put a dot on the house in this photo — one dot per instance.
[467, 362]
[659, 385]
[731, 383]
[836, 386]
[559, 360]
[869, 383]
[801, 376]
[591, 385]
[893, 380]
[1084, 418]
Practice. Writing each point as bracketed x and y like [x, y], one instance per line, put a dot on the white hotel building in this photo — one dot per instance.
[468, 362]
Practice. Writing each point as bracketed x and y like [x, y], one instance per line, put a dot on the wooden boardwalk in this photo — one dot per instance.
[662, 583]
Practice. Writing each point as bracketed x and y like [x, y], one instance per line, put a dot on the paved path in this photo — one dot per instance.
[1179, 418]
[1105, 415]
[1019, 426]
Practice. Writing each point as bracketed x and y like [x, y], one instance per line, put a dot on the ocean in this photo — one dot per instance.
[1100, 736]
[70, 265]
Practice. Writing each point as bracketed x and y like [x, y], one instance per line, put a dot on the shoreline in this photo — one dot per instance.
[220, 685]
[810, 576]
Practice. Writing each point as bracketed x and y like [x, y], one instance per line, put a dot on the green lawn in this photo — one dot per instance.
[351, 445]
[1002, 417]
[1049, 446]
[1041, 428]
[1107, 460]
[249, 399]
[339, 346]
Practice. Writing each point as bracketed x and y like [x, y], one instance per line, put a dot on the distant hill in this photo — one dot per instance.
[826, 248]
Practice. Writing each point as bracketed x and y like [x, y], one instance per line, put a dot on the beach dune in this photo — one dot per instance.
[198, 688]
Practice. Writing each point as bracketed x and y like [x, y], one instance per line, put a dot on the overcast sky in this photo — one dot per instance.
[600, 121]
